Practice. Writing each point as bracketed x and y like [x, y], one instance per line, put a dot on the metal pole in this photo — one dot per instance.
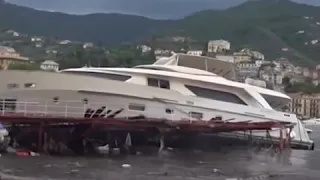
[3, 102]
[281, 139]
[45, 108]
[40, 137]
[25, 108]
[66, 110]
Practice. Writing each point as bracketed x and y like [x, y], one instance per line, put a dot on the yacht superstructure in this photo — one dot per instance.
[172, 88]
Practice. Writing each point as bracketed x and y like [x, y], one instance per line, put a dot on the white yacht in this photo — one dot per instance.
[178, 87]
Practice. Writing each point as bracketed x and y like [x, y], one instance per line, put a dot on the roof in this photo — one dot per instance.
[213, 65]
[180, 69]
[167, 71]
[49, 62]
[190, 67]
[7, 49]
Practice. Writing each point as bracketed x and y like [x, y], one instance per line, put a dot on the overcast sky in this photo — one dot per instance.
[160, 9]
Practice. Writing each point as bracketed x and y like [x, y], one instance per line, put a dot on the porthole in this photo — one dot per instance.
[169, 111]
[55, 99]
[85, 101]
[29, 85]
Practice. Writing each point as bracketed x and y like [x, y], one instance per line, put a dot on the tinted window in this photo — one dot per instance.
[214, 94]
[117, 77]
[158, 83]
[196, 115]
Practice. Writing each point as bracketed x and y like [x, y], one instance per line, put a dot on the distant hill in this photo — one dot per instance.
[277, 28]
[265, 25]
[108, 29]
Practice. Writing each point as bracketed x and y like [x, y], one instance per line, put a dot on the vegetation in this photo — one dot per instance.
[110, 29]
[305, 87]
[126, 56]
[268, 26]
[23, 66]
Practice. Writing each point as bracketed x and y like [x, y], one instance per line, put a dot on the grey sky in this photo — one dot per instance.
[160, 9]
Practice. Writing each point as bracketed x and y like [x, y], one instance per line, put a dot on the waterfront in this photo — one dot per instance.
[217, 165]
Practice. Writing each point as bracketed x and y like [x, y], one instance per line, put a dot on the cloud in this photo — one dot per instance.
[162, 9]
[150, 8]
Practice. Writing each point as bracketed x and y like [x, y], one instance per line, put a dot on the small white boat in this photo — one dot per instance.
[3, 138]
[309, 131]
[311, 122]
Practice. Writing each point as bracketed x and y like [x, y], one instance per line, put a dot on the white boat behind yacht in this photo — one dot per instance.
[310, 122]
[3, 138]
[175, 88]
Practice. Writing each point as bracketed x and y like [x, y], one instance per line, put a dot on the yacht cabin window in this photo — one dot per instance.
[158, 83]
[12, 86]
[216, 95]
[117, 77]
[196, 115]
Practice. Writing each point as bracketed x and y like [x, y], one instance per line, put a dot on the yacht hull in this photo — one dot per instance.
[65, 95]
[76, 104]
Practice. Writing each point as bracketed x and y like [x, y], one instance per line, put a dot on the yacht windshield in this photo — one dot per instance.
[277, 103]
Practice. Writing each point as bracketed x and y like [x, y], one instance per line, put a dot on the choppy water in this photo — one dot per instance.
[192, 165]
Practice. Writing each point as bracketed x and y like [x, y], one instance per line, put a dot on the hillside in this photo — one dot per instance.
[277, 28]
[108, 29]
[266, 25]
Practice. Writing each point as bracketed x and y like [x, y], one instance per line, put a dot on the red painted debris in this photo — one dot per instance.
[200, 126]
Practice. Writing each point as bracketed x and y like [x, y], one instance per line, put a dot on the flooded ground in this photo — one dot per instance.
[172, 165]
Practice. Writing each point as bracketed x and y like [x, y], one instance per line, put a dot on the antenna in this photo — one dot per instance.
[206, 63]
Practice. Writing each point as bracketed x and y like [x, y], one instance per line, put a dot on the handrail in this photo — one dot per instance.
[77, 109]
[65, 108]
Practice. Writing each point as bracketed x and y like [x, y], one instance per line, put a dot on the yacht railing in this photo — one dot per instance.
[57, 108]
[77, 109]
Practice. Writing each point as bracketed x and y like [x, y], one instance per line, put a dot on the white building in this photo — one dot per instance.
[164, 52]
[247, 69]
[144, 48]
[274, 77]
[65, 42]
[218, 45]
[36, 39]
[49, 65]
[256, 82]
[195, 52]
[87, 45]
[257, 55]
[13, 33]
[226, 58]
[38, 44]
[260, 62]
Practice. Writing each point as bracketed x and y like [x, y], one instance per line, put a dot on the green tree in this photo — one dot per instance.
[24, 66]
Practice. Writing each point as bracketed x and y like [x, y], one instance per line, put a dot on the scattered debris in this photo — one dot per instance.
[300, 32]
[217, 171]
[315, 41]
[126, 165]
[74, 171]
[158, 173]
[23, 153]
